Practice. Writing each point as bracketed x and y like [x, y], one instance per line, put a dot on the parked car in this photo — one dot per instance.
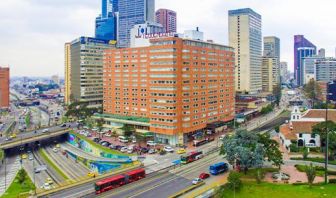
[63, 125]
[123, 139]
[124, 149]
[152, 151]
[107, 134]
[151, 143]
[168, 149]
[144, 150]
[204, 175]
[130, 150]
[118, 147]
[113, 147]
[55, 149]
[196, 181]
[96, 140]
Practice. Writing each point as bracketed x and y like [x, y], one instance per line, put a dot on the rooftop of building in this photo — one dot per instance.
[244, 11]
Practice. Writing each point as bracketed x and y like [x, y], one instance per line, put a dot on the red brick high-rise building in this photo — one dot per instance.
[4, 87]
[173, 88]
[167, 18]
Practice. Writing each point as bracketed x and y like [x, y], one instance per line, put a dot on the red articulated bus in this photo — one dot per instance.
[119, 180]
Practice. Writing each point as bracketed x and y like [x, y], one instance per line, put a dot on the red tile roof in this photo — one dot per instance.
[321, 113]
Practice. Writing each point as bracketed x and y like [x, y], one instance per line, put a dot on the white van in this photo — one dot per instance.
[123, 139]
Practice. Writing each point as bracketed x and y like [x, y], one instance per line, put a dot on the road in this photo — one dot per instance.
[166, 184]
[74, 170]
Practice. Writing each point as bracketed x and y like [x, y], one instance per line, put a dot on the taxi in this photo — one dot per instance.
[181, 151]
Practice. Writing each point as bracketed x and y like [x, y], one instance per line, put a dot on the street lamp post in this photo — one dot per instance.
[327, 135]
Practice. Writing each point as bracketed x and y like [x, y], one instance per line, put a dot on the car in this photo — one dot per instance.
[45, 130]
[46, 186]
[49, 181]
[151, 143]
[13, 136]
[8, 139]
[134, 140]
[30, 157]
[124, 149]
[130, 150]
[113, 146]
[118, 147]
[55, 149]
[221, 137]
[144, 150]
[168, 149]
[92, 174]
[181, 151]
[24, 156]
[152, 151]
[196, 181]
[63, 125]
[107, 134]
[162, 152]
[204, 175]
[104, 143]
[96, 140]
[58, 146]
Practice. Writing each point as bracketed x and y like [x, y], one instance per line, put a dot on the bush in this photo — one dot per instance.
[293, 148]
[300, 183]
[332, 181]
[234, 181]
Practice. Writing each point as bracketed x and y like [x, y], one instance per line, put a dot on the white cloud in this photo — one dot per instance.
[33, 32]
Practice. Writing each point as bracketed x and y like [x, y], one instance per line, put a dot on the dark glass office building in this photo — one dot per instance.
[106, 23]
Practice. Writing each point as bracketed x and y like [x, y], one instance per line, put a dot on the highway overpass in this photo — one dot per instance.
[30, 139]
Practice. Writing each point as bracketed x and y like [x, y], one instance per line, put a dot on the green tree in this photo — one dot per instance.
[320, 129]
[234, 182]
[100, 122]
[2, 154]
[311, 174]
[312, 90]
[305, 153]
[128, 130]
[277, 94]
[272, 152]
[22, 176]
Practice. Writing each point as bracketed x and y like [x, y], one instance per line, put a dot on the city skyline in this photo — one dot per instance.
[27, 54]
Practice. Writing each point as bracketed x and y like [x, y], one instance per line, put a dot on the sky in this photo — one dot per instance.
[33, 32]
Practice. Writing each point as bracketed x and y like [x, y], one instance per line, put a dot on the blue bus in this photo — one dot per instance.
[218, 168]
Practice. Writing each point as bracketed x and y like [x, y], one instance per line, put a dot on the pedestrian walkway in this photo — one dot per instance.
[11, 172]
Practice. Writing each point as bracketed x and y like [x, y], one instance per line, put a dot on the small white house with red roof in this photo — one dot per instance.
[299, 129]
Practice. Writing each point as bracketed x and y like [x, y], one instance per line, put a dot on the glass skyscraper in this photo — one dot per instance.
[132, 12]
[106, 23]
[302, 48]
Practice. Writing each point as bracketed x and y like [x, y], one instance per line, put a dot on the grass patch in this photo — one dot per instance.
[52, 164]
[27, 120]
[267, 190]
[314, 159]
[19, 190]
[102, 148]
[319, 170]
